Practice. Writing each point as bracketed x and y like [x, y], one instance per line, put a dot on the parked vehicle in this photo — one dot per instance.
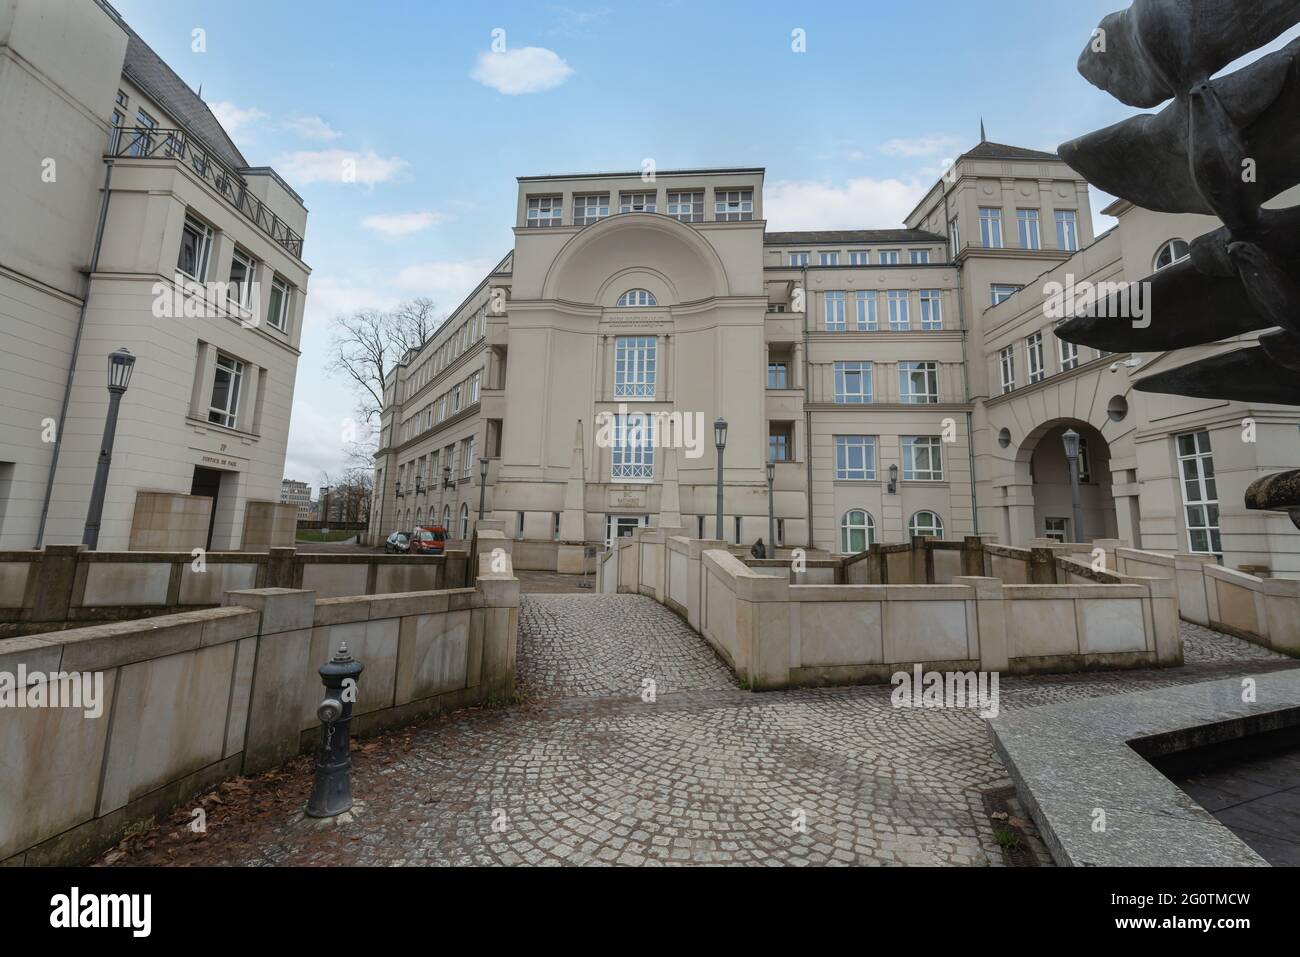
[428, 540]
[398, 543]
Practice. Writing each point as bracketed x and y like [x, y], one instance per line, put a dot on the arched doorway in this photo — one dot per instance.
[1042, 465]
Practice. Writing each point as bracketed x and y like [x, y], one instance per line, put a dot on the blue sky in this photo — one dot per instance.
[851, 131]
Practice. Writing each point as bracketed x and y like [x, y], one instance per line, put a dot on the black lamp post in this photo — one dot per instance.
[1071, 442]
[482, 484]
[120, 364]
[771, 510]
[324, 510]
[442, 489]
[893, 479]
[720, 441]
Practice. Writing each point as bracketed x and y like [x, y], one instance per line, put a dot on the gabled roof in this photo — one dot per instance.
[1001, 151]
[174, 95]
[852, 236]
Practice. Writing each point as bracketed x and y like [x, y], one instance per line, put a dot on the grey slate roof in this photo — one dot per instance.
[174, 95]
[852, 236]
[987, 150]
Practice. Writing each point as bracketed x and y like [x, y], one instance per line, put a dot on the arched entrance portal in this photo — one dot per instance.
[1043, 466]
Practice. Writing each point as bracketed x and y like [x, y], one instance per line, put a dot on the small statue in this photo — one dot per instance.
[759, 550]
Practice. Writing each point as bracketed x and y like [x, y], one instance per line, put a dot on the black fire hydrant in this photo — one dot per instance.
[332, 794]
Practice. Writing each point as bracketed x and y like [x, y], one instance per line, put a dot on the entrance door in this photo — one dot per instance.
[207, 482]
[621, 526]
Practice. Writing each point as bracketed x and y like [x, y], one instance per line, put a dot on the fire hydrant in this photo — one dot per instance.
[332, 794]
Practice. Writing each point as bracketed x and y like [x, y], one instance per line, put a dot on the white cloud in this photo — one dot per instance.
[448, 282]
[313, 128]
[522, 70]
[328, 297]
[921, 145]
[401, 224]
[862, 203]
[339, 166]
[233, 118]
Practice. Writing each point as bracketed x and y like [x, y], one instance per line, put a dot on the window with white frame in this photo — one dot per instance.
[467, 458]
[954, 237]
[829, 259]
[474, 382]
[1068, 353]
[1027, 224]
[990, 227]
[637, 297]
[590, 208]
[918, 383]
[239, 289]
[866, 299]
[925, 525]
[196, 248]
[638, 203]
[900, 315]
[835, 312]
[857, 531]
[442, 407]
[634, 367]
[778, 447]
[855, 458]
[919, 257]
[1067, 230]
[860, 259]
[1174, 251]
[778, 375]
[799, 259]
[1034, 356]
[853, 383]
[1200, 493]
[734, 205]
[544, 211]
[632, 454]
[142, 138]
[1057, 529]
[686, 207]
[888, 257]
[226, 385]
[464, 520]
[922, 458]
[1007, 362]
[277, 312]
[455, 400]
[931, 309]
[1003, 291]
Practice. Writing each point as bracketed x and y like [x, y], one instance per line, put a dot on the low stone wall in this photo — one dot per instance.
[65, 586]
[776, 633]
[191, 699]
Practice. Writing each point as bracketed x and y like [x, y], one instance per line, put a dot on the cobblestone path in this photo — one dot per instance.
[584, 771]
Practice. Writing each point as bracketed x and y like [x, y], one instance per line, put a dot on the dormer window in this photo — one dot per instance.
[636, 297]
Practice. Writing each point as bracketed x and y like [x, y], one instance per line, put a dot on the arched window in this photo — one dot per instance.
[1176, 250]
[925, 525]
[464, 521]
[446, 517]
[857, 532]
[419, 516]
[637, 297]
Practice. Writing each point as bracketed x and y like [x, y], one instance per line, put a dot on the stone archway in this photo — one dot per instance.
[1042, 467]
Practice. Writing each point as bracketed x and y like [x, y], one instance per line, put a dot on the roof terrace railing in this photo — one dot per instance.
[151, 143]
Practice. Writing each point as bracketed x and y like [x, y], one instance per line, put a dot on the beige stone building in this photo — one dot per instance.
[905, 382]
[130, 218]
[297, 494]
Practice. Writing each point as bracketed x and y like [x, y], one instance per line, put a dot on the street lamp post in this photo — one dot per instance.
[720, 441]
[482, 484]
[324, 510]
[771, 510]
[446, 484]
[120, 364]
[1071, 441]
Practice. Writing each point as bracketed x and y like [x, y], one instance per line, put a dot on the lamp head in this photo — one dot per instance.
[120, 364]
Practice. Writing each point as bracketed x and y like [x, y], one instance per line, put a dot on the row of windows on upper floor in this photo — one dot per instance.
[1067, 358]
[866, 317]
[424, 475]
[471, 331]
[462, 395]
[1170, 253]
[193, 262]
[687, 206]
[1028, 229]
[884, 257]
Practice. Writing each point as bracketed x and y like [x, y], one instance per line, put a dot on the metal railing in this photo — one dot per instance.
[152, 143]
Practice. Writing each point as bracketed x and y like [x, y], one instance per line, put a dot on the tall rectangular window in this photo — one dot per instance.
[239, 289]
[196, 247]
[990, 227]
[544, 211]
[918, 383]
[835, 312]
[919, 257]
[777, 375]
[778, 447]
[866, 299]
[1034, 355]
[829, 259]
[278, 309]
[141, 136]
[1067, 230]
[1200, 493]
[853, 383]
[686, 207]
[591, 208]
[888, 257]
[638, 203]
[1068, 353]
[860, 259]
[632, 455]
[467, 457]
[733, 205]
[900, 317]
[922, 458]
[954, 237]
[226, 384]
[1027, 223]
[475, 381]
[855, 458]
[634, 367]
[931, 309]
[799, 259]
[1007, 362]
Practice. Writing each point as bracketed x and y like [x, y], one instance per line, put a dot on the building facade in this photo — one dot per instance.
[297, 494]
[129, 218]
[904, 382]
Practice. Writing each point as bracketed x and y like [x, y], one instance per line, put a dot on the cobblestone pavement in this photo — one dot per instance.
[584, 771]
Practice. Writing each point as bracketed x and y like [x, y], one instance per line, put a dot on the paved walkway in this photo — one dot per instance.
[584, 770]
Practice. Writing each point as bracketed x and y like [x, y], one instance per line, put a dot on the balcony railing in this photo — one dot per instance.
[145, 143]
